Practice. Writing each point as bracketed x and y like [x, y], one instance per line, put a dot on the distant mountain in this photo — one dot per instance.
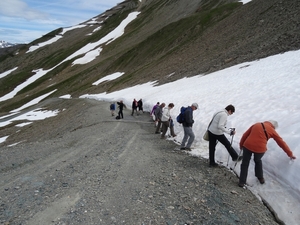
[4, 44]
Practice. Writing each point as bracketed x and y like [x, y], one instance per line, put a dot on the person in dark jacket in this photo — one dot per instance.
[254, 141]
[158, 115]
[134, 107]
[112, 108]
[121, 106]
[189, 135]
[140, 105]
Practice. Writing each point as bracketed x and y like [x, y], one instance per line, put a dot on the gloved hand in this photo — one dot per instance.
[232, 132]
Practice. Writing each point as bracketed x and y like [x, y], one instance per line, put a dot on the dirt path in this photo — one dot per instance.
[85, 167]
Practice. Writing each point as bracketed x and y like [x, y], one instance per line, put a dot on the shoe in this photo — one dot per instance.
[182, 148]
[188, 149]
[174, 135]
[261, 180]
[213, 165]
[157, 132]
[242, 185]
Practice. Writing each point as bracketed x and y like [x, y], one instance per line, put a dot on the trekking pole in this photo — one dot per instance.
[230, 145]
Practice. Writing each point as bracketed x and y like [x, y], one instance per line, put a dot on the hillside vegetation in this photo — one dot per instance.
[183, 38]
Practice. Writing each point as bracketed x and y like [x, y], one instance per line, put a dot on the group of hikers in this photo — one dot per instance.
[253, 141]
[137, 106]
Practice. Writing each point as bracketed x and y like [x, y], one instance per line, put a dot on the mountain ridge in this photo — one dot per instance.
[168, 37]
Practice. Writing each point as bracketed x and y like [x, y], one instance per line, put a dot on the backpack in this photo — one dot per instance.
[112, 106]
[180, 117]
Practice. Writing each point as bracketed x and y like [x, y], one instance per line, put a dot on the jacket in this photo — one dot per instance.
[188, 117]
[158, 113]
[218, 123]
[255, 138]
[166, 114]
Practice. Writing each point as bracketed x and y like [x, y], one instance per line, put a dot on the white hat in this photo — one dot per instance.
[195, 105]
[274, 123]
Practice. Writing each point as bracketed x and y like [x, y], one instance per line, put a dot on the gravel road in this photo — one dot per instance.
[84, 167]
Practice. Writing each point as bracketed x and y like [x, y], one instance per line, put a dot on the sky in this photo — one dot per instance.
[22, 21]
[261, 90]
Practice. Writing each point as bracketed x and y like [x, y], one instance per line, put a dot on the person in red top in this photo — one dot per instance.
[254, 141]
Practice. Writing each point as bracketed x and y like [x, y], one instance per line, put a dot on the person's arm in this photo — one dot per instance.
[282, 144]
[244, 137]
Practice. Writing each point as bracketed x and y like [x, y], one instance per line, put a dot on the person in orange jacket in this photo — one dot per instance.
[254, 141]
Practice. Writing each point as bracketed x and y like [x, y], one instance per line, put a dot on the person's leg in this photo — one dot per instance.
[172, 129]
[226, 143]
[164, 128]
[158, 127]
[244, 166]
[185, 137]
[212, 148]
[121, 114]
[258, 168]
[191, 137]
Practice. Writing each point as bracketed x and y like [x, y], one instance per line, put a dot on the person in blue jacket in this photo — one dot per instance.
[187, 124]
[112, 108]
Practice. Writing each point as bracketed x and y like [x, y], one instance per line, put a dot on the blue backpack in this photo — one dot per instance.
[180, 117]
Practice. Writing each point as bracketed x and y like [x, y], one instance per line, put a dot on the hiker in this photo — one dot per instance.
[112, 108]
[134, 107]
[121, 106]
[152, 113]
[187, 124]
[140, 105]
[167, 122]
[158, 114]
[216, 131]
[254, 141]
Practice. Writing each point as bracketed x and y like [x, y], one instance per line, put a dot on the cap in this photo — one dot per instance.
[274, 123]
[195, 105]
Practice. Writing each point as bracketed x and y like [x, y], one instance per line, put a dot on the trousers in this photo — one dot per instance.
[213, 138]
[188, 137]
[258, 168]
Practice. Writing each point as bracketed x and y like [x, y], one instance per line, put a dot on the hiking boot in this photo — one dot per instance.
[157, 132]
[261, 180]
[242, 185]
[188, 149]
[182, 148]
[213, 165]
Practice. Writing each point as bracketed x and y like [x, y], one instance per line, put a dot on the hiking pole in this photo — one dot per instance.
[232, 130]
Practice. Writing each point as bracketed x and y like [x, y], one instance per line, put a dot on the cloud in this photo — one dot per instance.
[19, 9]
[31, 19]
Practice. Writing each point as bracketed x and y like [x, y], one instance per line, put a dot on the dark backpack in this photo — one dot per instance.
[180, 117]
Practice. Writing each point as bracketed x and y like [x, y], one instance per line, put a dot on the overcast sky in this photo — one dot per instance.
[22, 21]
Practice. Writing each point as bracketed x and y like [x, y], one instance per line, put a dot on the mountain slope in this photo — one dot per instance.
[183, 38]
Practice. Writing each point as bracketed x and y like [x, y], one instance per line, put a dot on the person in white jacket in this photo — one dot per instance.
[216, 131]
[167, 121]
